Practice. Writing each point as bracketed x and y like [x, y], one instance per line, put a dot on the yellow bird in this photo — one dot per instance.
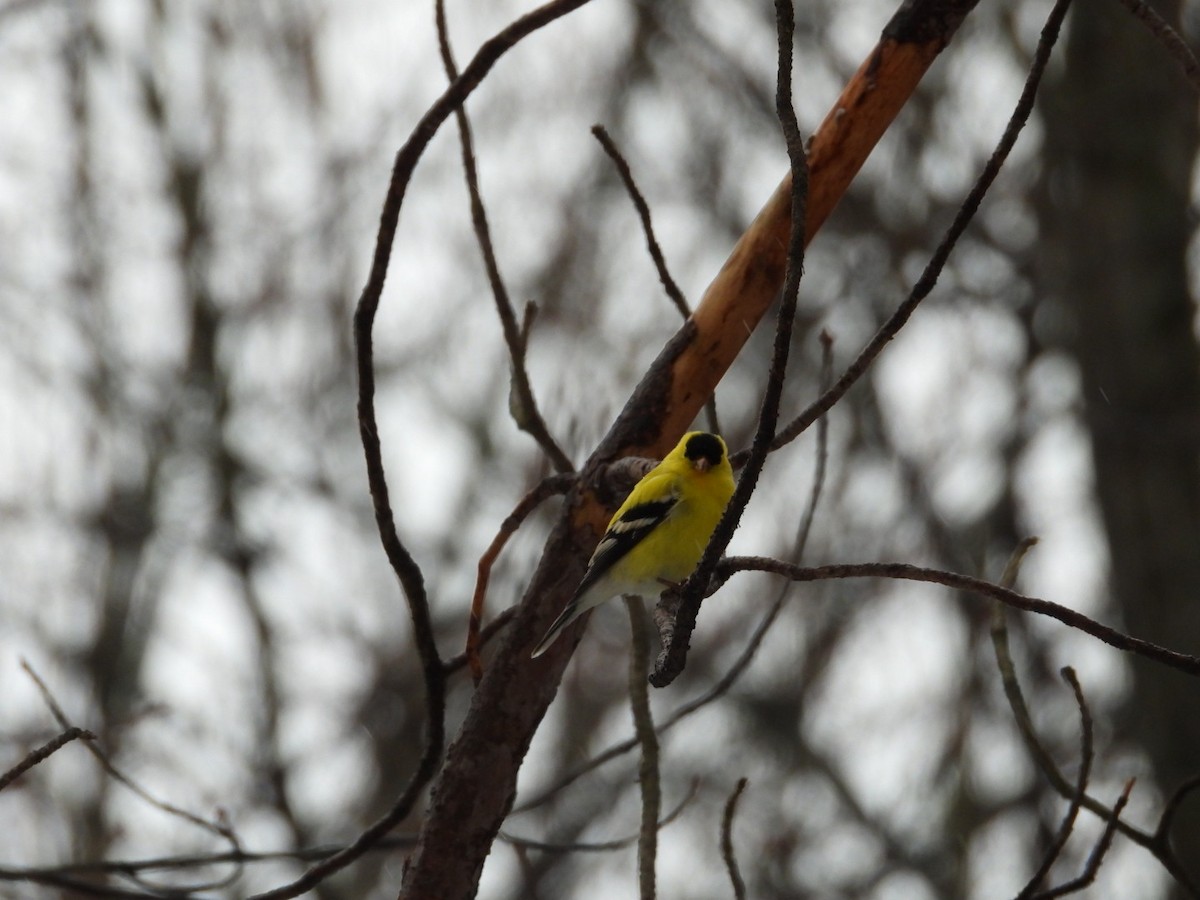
[657, 537]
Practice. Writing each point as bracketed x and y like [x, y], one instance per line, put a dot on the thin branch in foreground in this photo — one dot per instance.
[44, 752]
[674, 653]
[1086, 759]
[937, 262]
[660, 263]
[522, 403]
[1170, 40]
[905, 572]
[543, 490]
[643, 723]
[727, 853]
[1096, 857]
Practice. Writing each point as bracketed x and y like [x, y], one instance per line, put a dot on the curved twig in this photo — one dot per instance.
[1111, 636]
[1096, 857]
[660, 262]
[727, 852]
[546, 488]
[522, 403]
[1086, 758]
[1167, 37]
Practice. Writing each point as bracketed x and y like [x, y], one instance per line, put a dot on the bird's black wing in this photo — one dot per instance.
[623, 535]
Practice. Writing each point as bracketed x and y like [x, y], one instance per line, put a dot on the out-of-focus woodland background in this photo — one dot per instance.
[188, 198]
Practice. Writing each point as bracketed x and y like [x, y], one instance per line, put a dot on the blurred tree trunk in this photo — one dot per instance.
[1121, 145]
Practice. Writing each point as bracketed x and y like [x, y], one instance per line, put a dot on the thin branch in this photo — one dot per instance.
[643, 211]
[674, 654]
[546, 488]
[522, 403]
[215, 827]
[619, 749]
[1086, 758]
[191, 861]
[82, 888]
[1163, 832]
[660, 263]
[810, 510]
[643, 723]
[1175, 660]
[1012, 686]
[933, 270]
[727, 853]
[489, 631]
[44, 752]
[1096, 857]
[603, 846]
[1168, 37]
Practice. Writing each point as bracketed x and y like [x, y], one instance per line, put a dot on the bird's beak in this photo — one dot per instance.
[702, 465]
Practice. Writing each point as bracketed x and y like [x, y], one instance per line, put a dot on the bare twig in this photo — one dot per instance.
[810, 510]
[546, 488]
[643, 211]
[81, 888]
[522, 403]
[660, 263]
[727, 852]
[1111, 636]
[929, 277]
[1163, 832]
[191, 860]
[44, 752]
[674, 654]
[213, 827]
[1168, 37]
[643, 723]
[1096, 857]
[489, 631]
[603, 846]
[1086, 758]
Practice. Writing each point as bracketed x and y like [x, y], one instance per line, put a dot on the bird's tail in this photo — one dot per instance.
[574, 610]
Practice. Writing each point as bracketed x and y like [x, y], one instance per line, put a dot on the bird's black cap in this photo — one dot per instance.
[704, 446]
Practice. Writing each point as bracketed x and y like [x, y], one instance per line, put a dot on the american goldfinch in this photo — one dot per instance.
[658, 535]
